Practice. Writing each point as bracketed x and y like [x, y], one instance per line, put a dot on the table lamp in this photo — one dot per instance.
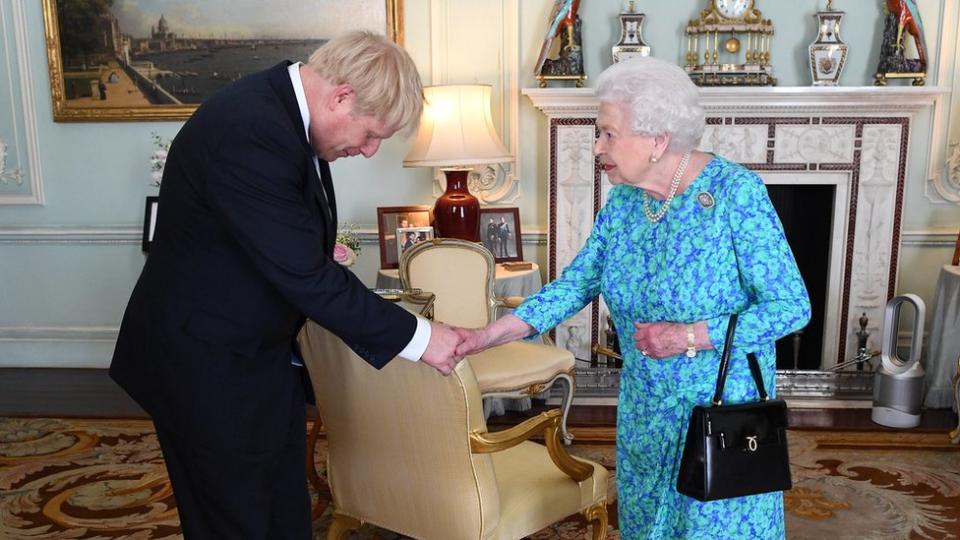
[456, 133]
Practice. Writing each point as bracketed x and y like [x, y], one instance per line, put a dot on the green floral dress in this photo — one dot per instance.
[719, 250]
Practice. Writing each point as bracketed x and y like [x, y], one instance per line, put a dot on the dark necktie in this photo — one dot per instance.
[328, 203]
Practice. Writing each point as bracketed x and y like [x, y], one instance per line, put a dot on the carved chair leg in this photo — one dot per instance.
[597, 516]
[341, 526]
[565, 403]
[323, 490]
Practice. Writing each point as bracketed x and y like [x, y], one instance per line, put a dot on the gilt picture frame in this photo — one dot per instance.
[158, 59]
[391, 218]
[411, 236]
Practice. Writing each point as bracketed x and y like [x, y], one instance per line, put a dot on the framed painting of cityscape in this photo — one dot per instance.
[158, 59]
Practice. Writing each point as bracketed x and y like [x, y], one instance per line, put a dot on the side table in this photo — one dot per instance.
[944, 345]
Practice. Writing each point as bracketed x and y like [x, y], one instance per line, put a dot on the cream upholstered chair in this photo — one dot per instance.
[409, 451]
[461, 274]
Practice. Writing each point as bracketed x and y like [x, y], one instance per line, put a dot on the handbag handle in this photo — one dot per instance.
[725, 364]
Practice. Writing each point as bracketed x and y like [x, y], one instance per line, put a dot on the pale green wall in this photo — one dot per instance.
[66, 268]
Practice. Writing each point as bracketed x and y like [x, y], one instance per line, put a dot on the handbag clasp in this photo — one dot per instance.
[752, 443]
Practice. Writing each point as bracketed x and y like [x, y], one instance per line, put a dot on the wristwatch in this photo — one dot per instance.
[691, 342]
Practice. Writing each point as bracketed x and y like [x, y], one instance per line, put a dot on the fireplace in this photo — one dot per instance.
[833, 156]
[806, 212]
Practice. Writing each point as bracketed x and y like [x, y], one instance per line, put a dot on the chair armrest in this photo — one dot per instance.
[506, 302]
[548, 422]
[509, 302]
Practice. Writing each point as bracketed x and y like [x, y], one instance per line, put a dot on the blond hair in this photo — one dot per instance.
[382, 75]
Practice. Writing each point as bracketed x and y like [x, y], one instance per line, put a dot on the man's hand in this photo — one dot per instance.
[441, 352]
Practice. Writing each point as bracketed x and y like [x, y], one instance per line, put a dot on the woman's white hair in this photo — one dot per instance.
[660, 96]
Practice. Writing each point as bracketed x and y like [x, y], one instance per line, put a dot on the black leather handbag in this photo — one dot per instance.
[735, 450]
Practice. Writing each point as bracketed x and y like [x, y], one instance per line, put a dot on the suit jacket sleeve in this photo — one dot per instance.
[256, 187]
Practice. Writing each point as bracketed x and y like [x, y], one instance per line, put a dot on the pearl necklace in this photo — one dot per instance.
[674, 185]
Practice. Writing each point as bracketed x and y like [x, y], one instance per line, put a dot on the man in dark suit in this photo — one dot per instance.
[242, 254]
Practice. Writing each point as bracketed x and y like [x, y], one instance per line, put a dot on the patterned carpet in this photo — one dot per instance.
[104, 480]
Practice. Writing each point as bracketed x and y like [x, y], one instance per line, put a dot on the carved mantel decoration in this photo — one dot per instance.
[947, 184]
[855, 139]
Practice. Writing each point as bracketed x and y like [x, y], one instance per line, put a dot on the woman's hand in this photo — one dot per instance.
[660, 339]
[506, 328]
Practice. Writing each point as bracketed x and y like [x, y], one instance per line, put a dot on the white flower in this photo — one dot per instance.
[158, 159]
[347, 236]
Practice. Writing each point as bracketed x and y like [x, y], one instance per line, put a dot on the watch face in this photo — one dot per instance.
[732, 9]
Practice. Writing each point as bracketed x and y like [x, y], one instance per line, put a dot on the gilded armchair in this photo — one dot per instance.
[408, 451]
[461, 274]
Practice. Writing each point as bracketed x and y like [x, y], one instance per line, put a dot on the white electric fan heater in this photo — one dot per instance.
[898, 385]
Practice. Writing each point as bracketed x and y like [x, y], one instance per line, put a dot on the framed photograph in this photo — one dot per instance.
[158, 59]
[391, 218]
[500, 232]
[411, 236]
[150, 222]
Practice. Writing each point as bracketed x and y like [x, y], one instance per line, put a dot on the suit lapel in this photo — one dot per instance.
[280, 81]
[322, 187]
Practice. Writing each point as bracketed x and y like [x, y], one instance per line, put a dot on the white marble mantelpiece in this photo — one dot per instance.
[571, 102]
[853, 138]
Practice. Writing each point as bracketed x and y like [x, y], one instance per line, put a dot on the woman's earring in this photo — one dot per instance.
[653, 158]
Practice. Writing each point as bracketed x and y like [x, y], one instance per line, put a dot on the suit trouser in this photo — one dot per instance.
[235, 496]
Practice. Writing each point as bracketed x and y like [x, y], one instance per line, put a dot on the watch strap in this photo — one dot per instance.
[691, 342]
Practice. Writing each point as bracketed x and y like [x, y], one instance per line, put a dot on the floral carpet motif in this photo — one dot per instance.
[865, 485]
[104, 479]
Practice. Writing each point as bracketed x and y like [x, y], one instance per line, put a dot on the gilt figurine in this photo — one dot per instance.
[564, 24]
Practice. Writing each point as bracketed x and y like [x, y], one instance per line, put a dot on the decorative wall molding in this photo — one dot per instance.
[946, 179]
[943, 168]
[491, 184]
[37, 334]
[57, 346]
[855, 139]
[929, 238]
[124, 235]
[25, 145]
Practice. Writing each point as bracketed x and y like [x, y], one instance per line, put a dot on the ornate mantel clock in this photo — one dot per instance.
[744, 56]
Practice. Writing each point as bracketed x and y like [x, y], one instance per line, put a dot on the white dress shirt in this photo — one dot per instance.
[421, 337]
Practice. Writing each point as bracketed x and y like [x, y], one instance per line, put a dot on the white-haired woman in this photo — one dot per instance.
[684, 240]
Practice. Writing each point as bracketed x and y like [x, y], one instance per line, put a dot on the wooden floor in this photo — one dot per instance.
[90, 393]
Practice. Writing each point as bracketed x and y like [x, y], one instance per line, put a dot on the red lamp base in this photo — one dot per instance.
[457, 212]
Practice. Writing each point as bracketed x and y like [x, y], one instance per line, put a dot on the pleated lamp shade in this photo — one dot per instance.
[456, 129]
[456, 132]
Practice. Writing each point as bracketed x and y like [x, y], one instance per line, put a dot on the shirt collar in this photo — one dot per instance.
[294, 71]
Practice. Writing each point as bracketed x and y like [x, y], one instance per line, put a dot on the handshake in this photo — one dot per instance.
[449, 344]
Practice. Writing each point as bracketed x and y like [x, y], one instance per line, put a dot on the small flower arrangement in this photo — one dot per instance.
[347, 247]
[158, 159]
